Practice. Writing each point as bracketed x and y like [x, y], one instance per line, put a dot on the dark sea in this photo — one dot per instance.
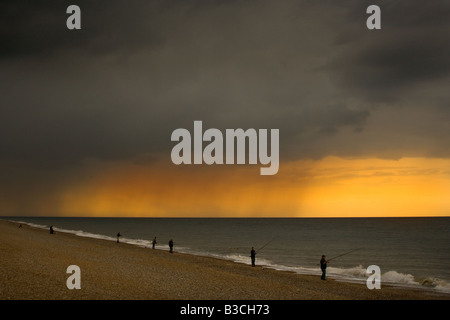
[411, 252]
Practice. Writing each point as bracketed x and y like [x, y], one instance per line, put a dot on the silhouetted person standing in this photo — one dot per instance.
[253, 256]
[154, 243]
[51, 230]
[323, 266]
[171, 246]
[118, 236]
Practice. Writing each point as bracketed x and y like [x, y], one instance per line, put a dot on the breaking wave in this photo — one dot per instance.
[355, 274]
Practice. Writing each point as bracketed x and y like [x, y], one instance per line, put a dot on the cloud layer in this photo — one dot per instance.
[136, 71]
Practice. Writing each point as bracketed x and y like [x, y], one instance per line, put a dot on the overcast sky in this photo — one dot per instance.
[137, 70]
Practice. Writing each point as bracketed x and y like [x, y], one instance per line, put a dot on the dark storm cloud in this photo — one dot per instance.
[38, 29]
[136, 71]
[400, 73]
[411, 49]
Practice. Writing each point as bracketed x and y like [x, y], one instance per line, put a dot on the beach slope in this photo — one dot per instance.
[34, 266]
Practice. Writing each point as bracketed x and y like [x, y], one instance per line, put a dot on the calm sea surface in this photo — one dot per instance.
[409, 251]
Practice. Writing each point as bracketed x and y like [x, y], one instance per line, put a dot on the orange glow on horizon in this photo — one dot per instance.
[373, 187]
[330, 187]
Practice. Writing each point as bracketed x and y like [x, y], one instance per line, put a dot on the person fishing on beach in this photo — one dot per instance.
[253, 256]
[324, 262]
[118, 236]
[253, 251]
[154, 243]
[323, 267]
[171, 245]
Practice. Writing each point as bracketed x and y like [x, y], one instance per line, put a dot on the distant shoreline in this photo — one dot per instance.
[35, 264]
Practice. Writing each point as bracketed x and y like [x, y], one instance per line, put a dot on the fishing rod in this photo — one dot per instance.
[266, 244]
[344, 254]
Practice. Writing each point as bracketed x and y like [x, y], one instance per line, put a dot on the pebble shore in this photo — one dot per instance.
[34, 267]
